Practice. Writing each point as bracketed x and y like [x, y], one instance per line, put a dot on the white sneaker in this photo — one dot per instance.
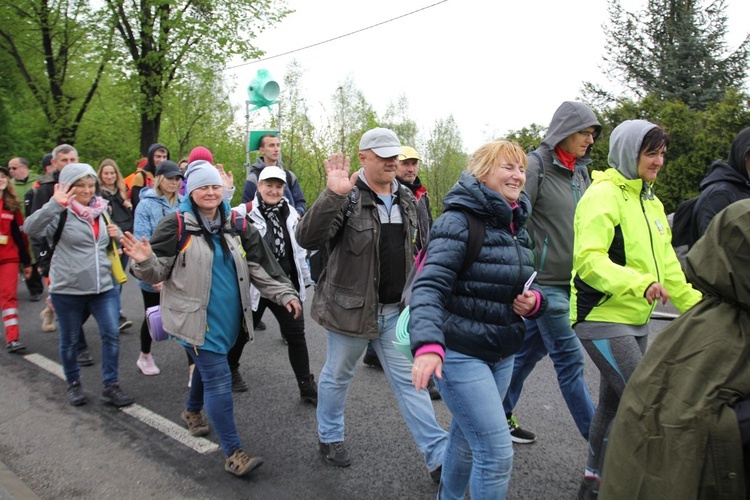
[146, 364]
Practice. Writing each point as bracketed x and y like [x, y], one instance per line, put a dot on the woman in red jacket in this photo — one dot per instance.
[14, 248]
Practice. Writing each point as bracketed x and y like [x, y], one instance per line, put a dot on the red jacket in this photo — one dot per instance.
[14, 247]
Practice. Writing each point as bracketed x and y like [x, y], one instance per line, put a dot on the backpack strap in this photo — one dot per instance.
[540, 178]
[353, 198]
[475, 241]
[58, 231]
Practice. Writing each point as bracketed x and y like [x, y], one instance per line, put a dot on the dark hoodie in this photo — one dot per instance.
[149, 171]
[724, 184]
[554, 205]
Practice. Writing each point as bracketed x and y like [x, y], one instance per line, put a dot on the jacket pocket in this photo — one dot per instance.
[360, 235]
[180, 315]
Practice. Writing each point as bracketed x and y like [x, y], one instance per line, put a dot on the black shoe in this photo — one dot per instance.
[76, 397]
[15, 346]
[518, 435]
[238, 383]
[335, 453]
[260, 327]
[113, 395]
[124, 323]
[372, 360]
[433, 390]
[84, 359]
[35, 297]
[435, 475]
[308, 390]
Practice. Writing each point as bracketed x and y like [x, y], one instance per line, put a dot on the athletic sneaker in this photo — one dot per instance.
[113, 395]
[335, 453]
[146, 364]
[76, 397]
[15, 346]
[124, 323]
[518, 435]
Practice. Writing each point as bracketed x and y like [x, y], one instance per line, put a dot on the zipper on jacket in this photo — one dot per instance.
[651, 240]
[544, 253]
[520, 259]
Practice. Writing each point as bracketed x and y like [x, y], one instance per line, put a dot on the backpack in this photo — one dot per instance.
[540, 178]
[473, 246]
[46, 249]
[319, 259]
[683, 232]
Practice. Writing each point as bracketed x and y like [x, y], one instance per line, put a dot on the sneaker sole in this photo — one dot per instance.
[126, 325]
[519, 440]
[109, 401]
[80, 402]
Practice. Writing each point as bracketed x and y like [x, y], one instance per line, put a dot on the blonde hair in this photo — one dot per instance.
[119, 182]
[157, 188]
[488, 157]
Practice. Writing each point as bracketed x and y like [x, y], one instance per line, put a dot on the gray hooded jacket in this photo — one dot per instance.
[554, 205]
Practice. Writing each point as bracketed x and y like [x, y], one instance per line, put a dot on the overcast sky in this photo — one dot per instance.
[494, 65]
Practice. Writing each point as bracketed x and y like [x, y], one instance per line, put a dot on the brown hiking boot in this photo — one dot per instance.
[240, 463]
[196, 424]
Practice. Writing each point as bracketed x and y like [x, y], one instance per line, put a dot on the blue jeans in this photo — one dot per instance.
[480, 452]
[70, 311]
[416, 406]
[551, 333]
[212, 386]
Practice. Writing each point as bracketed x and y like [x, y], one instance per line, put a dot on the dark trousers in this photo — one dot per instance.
[34, 284]
[292, 329]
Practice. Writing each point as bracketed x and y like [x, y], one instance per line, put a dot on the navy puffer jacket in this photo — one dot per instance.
[473, 313]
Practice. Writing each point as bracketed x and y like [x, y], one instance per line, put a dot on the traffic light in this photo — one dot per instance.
[263, 90]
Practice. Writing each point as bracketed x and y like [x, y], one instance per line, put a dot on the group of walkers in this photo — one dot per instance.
[530, 257]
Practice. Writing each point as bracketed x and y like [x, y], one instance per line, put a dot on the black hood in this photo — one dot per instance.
[738, 153]
[734, 169]
[150, 167]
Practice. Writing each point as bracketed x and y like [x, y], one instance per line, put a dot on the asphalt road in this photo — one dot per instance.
[95, 451]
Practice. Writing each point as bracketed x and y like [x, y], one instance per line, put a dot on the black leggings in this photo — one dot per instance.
[292, 329]
[150, 299]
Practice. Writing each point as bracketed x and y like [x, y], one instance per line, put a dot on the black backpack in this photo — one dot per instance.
[683, 232]
[473, 246]
[46, 249]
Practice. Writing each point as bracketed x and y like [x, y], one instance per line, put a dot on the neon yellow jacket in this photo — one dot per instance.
[622, 245]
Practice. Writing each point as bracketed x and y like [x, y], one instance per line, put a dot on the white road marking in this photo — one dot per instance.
[154, 420]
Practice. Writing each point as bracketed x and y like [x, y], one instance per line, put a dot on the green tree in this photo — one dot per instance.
[301, 149]
[444, 160]
[398, 119]
[528, 137]
[352, 116]
[674, 50]
[161, 36]
[60, 50]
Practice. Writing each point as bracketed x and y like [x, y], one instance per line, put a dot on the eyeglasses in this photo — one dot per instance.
[586, 133]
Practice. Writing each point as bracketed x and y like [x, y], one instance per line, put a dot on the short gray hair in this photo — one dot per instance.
[63, 149]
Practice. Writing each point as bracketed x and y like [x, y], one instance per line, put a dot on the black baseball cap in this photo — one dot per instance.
[168, 169]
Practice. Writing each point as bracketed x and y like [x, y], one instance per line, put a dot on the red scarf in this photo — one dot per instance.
[567, 159]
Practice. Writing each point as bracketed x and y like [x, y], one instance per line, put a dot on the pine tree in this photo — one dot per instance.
[672, 49]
